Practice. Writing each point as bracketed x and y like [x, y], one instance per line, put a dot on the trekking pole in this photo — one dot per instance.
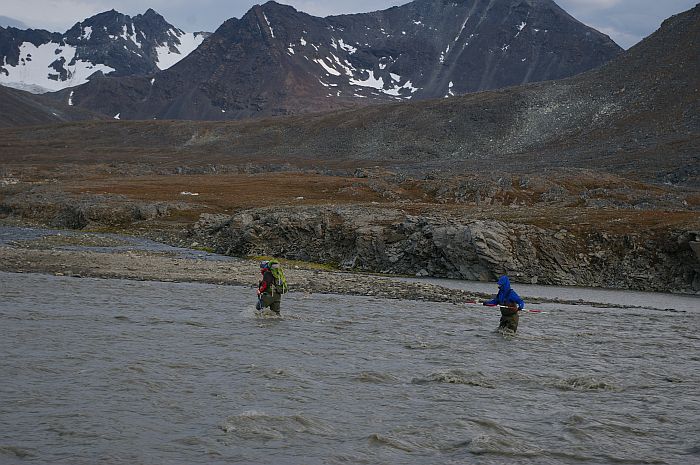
[530, 310]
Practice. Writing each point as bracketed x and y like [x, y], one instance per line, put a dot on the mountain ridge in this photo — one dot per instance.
[276, 60]
[106, 43]
[642, 124]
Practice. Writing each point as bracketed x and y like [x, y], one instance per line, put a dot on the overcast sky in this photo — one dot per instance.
[625, 21]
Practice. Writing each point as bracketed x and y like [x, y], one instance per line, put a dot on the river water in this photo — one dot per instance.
[123, 372]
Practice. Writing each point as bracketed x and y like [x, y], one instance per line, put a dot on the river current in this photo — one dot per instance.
[96, 371]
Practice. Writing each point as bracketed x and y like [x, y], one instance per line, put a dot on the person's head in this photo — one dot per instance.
[503, 282]
[264, 266]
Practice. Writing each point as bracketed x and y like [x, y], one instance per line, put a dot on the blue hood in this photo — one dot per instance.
[504, 283]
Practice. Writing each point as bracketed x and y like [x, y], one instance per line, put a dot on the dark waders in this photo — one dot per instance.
[509, 318]
[272, 300]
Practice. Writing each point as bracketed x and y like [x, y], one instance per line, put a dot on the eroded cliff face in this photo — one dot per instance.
[392, 241]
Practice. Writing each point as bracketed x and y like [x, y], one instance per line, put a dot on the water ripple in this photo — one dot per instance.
[122, 372]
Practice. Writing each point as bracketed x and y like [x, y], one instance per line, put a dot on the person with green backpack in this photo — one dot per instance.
[272, 285]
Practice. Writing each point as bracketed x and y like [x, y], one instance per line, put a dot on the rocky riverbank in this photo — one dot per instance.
[106, 256]
[619, 237]
[390, 240]
[110, 256]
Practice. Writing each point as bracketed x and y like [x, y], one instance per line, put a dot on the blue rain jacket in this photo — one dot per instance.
[506, 294]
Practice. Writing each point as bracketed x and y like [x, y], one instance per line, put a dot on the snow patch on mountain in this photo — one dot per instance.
[328, 69]
[126, 36]
[167, 56]
[464, 24]
[48, 67]
[87, 33]
[272, 32]
[348, 48]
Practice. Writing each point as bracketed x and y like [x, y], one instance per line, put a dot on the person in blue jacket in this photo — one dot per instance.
[510, 303]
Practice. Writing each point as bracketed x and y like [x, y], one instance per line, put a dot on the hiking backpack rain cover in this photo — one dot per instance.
[278, 274]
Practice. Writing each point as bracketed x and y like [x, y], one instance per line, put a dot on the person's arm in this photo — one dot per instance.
[516, 298]
[491, 303]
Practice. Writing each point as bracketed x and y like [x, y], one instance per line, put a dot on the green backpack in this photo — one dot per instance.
[278, 274]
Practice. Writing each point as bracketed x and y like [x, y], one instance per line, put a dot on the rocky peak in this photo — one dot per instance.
[109, 21]
[152, 20]
[108, 43]
[281, 14]
[151, 13]
[277, 60]
[271, 7]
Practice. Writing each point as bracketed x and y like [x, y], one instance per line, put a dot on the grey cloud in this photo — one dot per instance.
[11, 22]
[626, 21]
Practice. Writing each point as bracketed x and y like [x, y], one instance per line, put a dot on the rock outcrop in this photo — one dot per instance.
[448, 242]
[49, 206]
[392, 241]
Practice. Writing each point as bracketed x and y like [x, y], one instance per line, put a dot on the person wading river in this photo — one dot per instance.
[510, 302]
[272, 285]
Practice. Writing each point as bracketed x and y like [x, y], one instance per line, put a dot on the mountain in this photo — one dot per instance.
[109, 43]
[638, 116]
[19, 108]
[276, 60]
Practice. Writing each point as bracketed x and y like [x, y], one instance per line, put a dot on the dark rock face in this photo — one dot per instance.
[107, 43]
[475, 45]
[11, 38]
[276, 60]
[391, 241]
[129, 45]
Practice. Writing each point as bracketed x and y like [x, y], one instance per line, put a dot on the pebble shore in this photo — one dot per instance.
[38, 256]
